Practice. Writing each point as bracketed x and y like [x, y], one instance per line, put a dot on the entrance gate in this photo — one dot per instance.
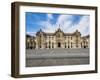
[59, 44]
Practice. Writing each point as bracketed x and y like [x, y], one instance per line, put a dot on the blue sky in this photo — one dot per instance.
[51, 22]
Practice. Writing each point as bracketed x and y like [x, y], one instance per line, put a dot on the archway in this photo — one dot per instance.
[59, 44]
[84, 46]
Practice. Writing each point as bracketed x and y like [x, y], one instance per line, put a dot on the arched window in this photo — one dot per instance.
[71, 37]
[84, 43]
[52, 45]
[65, 44]
[49, 44]
[81, 44]
[40, 46]
[58, 35]
[45, 45]
[71, 45]
[87, 44]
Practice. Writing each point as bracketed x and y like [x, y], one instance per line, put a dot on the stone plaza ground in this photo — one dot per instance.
[56, 57]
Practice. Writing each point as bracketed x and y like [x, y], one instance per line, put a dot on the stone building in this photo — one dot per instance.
[58, 39]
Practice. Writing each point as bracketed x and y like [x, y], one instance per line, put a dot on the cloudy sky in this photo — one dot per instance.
[51, 22]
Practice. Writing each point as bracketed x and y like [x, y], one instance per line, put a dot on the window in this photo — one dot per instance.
[71, 44]
[52, 45]
[58, 35]
[49, 44]
[40, 46]
[52, 37]
[46, 45]
[65, 44]
[71, 37]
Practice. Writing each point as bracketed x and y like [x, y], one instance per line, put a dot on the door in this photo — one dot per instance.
[59, 44]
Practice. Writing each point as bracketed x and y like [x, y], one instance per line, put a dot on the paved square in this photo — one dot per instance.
[56, 57]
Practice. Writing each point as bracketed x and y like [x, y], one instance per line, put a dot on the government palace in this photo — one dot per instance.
[58, 39]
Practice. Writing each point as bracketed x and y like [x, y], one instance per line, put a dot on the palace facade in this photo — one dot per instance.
[58, 39]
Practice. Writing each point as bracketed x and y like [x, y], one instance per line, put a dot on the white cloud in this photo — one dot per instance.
[49, 16]
[31, 33]
[63, 18]
[82, 26]
[65, 22]
[46, 26]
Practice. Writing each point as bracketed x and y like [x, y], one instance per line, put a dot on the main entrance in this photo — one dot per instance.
[59, 44]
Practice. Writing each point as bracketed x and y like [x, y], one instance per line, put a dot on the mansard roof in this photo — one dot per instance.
[57, 31]
[49, 34]
[69, 34]
[87, 36]
[74, 33]
[29, 36]
[40, 31]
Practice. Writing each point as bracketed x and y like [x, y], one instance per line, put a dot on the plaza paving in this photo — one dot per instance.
[54, 57]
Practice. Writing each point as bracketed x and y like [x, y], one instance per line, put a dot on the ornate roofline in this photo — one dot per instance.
[87, 36]
[58, 30]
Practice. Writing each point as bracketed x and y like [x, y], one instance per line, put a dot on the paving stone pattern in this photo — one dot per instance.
[56, 57]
